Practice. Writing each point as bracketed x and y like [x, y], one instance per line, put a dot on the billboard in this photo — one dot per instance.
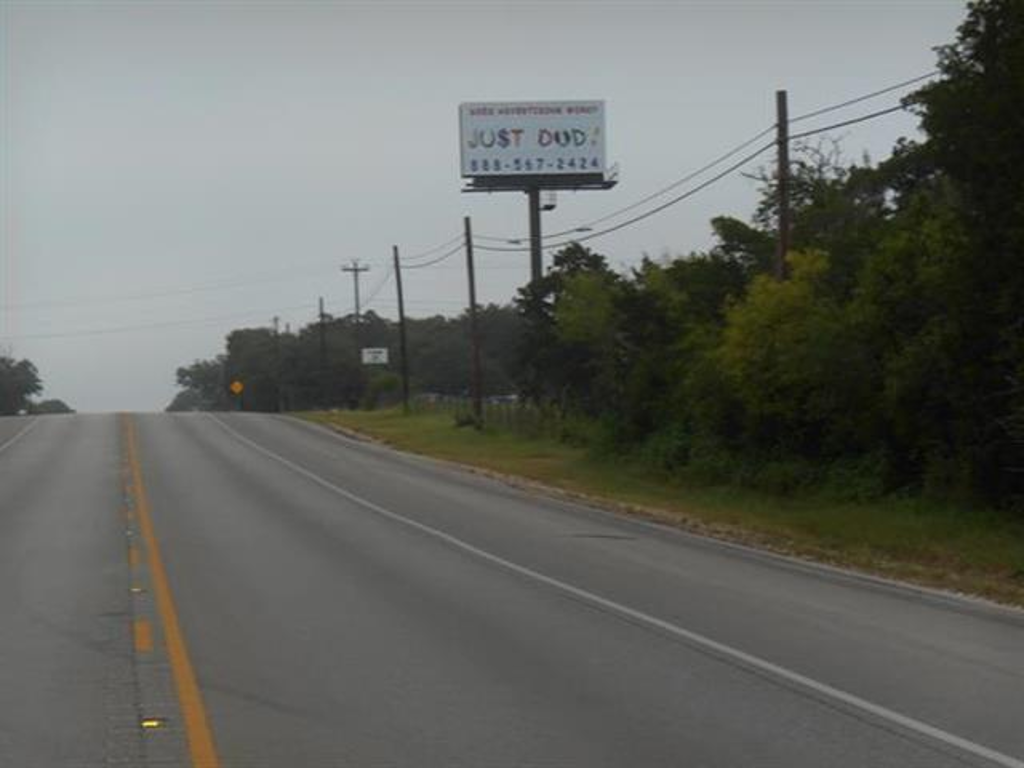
[531, 138]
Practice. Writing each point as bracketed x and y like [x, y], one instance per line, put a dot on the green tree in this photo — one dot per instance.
[45, 407]
[19, 380]
[799, 365]
[205, 385]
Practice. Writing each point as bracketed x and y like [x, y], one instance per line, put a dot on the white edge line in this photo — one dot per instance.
[694, 638]
[21, 433]
[959, 601]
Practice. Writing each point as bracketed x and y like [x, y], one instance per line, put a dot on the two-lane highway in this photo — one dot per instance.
[339, 604]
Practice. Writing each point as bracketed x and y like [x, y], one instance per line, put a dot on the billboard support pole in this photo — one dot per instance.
[475, 385]
[536, 252]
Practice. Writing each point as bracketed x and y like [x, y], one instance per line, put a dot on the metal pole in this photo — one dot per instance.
[401, 331]
[536, 253]
[478, 406]
[782, 140]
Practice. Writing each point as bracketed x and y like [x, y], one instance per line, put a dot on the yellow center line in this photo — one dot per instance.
[197, 725]
[143, 636]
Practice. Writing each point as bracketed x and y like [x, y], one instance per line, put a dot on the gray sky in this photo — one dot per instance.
[200, 166]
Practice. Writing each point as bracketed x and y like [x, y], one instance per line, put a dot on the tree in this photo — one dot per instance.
[798, 365]
[554, 369]
[973, 338]
[204, 384]
[18, 381]
[49, 407]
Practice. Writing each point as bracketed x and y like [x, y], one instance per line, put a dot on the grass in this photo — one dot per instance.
[976, 551]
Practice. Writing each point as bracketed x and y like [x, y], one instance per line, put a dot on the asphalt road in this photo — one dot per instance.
[265, 593]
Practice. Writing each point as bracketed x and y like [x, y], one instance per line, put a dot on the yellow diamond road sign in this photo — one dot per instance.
[237, 387]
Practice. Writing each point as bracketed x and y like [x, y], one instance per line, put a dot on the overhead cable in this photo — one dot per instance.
[435, 249]
[585, 226]
[865, 97]
[378, 288]
[151, 326]
[651, 212]
[852, 121]
[438, 260]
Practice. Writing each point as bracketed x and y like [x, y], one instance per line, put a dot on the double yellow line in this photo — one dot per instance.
[201, 746]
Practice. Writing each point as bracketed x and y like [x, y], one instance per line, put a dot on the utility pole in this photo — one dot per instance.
[536, 253]
[401, 331]
[322, 327]
[356, 269]
[277, 360]
[782, 140]
[478, 407]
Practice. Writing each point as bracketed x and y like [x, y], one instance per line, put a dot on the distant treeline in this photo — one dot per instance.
[317, 366]
[890, 359]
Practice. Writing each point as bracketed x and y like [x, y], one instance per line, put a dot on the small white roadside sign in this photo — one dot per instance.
[375, 355]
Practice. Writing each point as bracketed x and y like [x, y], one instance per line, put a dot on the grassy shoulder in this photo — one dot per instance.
[974, 551]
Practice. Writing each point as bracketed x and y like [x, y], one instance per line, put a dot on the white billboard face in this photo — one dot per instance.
[525, 138]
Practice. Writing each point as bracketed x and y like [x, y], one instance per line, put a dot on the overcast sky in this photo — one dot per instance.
[197, 166]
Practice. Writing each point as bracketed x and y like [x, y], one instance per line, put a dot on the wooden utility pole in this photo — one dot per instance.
[403, 350]
[322, 328]
[536, 252]
[356, 269]
[475, 385]
[782, 140]
[277, 362]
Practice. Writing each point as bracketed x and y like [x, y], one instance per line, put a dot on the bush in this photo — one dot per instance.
[667, 449]
[859, 478]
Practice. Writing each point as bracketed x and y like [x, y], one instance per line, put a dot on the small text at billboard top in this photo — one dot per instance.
[528, 138]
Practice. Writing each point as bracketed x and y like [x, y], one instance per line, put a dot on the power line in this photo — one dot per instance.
[699, 187]
[852, 121]
[152, 326]
[267, 277]
[492, 238]
[678, 199]
[668, 188]
[378, 288]
[435, 249]
[865, 97]
[585, 226]
[438, 260]
[647, 214]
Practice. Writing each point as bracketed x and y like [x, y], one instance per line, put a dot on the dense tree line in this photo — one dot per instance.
[318, 367]
[892, 356]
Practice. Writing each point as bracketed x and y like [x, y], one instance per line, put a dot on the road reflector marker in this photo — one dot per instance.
[152, 723]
